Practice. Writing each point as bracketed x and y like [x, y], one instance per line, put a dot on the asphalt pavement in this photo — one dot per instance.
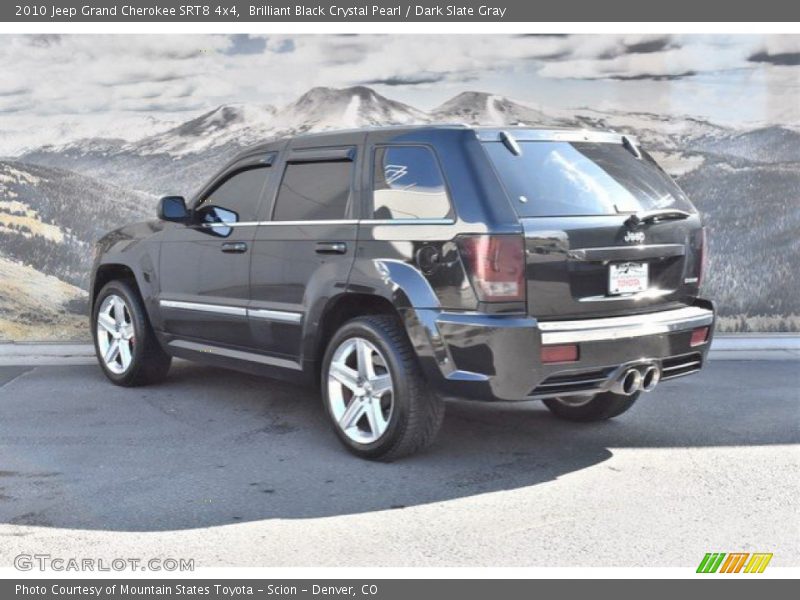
[236, 470]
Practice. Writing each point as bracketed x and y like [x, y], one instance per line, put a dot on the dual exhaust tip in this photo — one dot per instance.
[635, 379]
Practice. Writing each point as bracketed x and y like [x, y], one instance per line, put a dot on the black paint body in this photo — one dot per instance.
[466, 348]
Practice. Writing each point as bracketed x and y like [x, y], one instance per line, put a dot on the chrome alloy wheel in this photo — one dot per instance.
[360, 390]
[115, 334]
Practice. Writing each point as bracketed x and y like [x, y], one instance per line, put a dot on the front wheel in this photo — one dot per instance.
[374, 392]
[125, 344]
[599, 407]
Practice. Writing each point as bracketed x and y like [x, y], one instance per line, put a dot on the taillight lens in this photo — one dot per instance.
[496, 266]
[699, 336]
[701, 247]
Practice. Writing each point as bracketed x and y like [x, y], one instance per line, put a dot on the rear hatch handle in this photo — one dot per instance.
[652, 216]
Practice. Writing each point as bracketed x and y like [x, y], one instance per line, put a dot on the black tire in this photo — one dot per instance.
[600, 408]
[417, 412]
[149, 364]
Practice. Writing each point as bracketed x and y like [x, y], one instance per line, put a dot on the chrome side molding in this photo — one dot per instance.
[236, 311]
[220, 309]
[408, 222]
[274, 315]
[277, 223]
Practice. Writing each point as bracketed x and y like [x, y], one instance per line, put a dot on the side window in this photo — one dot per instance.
[236, 200]
[314, 191]
[408, 184]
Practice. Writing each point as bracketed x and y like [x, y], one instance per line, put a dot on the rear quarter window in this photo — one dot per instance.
[552, 178]
[408, 184]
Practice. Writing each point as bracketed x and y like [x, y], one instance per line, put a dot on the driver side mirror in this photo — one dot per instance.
[172, 208]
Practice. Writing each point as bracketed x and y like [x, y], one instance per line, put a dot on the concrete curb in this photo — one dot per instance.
[724, 347]
[756, 346]
[25, 354]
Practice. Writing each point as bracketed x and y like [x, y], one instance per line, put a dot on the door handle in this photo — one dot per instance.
[234, 247]
[331, 248]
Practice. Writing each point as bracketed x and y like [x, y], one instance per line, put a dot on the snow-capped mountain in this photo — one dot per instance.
[666, 133]
[667, 130]
[324, 108]
[56, 199]
[480, 108]
[775, 144]
[221, 132]
[181, 158]
[27, 133]
[239, 125]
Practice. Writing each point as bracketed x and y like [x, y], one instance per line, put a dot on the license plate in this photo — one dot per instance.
[627, 278]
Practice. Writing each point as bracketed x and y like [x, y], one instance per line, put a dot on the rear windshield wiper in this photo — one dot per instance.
[651, 216]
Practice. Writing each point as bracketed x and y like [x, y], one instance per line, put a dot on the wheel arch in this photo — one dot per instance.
[340, 309]
[111, 272]
[380, 286]
[120, 271]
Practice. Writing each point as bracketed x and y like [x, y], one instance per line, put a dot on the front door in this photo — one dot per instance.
[205, 265]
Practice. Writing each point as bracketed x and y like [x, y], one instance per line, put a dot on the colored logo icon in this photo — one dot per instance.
[734, 562]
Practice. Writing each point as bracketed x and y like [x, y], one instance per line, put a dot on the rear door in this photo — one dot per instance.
[606, 230]
[304, 246]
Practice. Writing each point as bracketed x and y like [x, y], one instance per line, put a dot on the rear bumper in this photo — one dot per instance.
[490, 357]
[618, 328]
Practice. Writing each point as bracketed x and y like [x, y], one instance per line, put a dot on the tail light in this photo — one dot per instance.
[701, 256]
[699, 336]
[495, 265]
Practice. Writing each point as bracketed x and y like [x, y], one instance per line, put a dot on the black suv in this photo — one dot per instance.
[398, 266]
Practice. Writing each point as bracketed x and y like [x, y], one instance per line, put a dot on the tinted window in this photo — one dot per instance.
[314, 191]
[237, 199]
[561, 178]
[408, 184]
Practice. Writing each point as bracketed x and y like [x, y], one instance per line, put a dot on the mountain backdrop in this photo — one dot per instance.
[55, 200]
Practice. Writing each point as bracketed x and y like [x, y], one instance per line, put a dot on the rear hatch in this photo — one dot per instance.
[607, 232]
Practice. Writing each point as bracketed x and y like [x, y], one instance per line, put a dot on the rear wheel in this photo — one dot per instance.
[125, 344]
[374, 392]
[590, 408]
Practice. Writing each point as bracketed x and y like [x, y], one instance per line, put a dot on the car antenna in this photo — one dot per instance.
[631, 147]
[510, 143]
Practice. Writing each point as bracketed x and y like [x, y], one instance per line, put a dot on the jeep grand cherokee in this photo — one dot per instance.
[399, 266]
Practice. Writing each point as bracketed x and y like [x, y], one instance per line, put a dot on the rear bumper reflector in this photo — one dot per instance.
[559, 354]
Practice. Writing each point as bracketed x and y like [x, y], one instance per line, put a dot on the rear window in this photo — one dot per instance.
[314, 191]
[583, 178]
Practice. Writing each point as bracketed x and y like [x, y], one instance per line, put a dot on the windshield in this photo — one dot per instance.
[583, 178]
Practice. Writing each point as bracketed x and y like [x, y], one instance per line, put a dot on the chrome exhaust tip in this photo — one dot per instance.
[651, 377]
[628, 383]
